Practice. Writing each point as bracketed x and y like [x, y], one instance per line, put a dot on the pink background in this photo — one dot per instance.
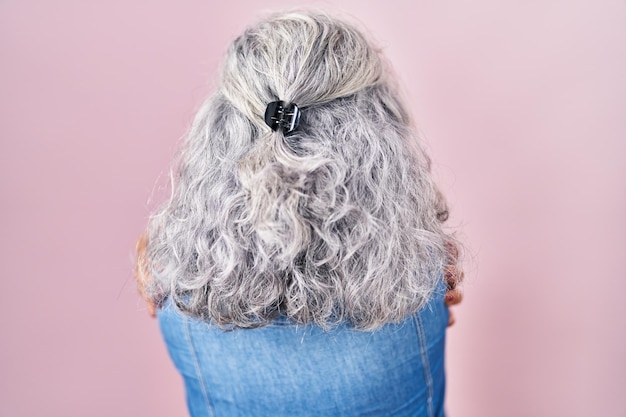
[523, 105]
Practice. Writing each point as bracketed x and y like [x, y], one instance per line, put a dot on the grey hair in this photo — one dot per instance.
[339, 220]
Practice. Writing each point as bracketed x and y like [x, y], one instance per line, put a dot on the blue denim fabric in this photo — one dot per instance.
[291, 370]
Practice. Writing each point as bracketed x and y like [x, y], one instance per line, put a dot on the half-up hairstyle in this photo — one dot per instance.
[339, 220]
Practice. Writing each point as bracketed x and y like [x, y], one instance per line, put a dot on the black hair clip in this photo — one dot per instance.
[277, 115]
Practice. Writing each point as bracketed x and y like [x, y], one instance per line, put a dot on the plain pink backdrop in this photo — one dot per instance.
[523, 106]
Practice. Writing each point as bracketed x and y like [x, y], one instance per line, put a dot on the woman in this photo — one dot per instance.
[299, 267]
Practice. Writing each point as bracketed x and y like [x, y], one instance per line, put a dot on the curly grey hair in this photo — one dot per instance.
[338, 221]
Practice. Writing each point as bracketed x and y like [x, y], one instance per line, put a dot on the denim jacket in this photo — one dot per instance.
[286, 369]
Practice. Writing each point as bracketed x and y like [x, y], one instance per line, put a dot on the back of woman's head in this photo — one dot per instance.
[338, 220]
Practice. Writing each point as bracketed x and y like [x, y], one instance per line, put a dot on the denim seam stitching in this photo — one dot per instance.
[426, 363]
[196, 365]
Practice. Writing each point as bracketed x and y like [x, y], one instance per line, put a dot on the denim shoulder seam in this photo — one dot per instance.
[196, 365]
[426, 363]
